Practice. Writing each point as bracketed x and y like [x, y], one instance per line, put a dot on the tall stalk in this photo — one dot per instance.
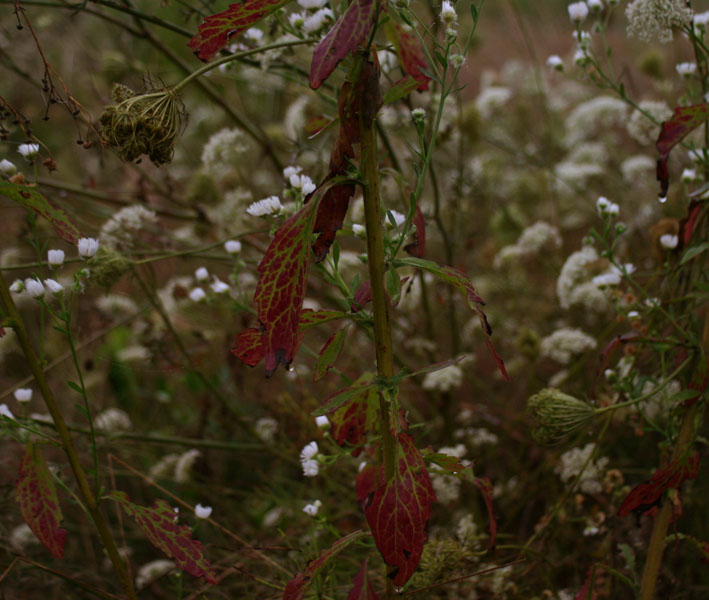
[90, 501]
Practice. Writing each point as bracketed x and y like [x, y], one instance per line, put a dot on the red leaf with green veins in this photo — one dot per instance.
[398, 511]
[281, 287]
[358, 416]
[460, 282]
[214, 34]
[418, 247]
[329, 354]
[310, 318]
[410, 53]
[684, 120]
[27, 195]
[646, 496]
[248, 347]
[295, 590]
[361, 587]
[345, 36]
[331, 214]
[159, 525]
[485, 487]
[37, 496]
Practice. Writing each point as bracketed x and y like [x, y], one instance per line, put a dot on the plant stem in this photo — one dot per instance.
[376, 259]
[89, 499]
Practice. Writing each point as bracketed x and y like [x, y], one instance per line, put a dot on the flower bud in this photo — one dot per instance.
[556, 415]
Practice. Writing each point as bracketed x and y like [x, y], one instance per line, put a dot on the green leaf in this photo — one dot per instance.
[474, 12]
[393, 285]
[338, 399]
[400, 89]
[693, 251]
[159, 524]
[75, 386]
[37, 496]
[27, 195]
[329, 353]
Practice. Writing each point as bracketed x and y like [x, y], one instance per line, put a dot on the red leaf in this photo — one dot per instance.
[310, 318]
[281, 288]
[316, 125]
[418, 247]
[485, 487]
[37, 496]
[158, 523]
[398, 511]
[362, 296]
[592, 577]
[295, 590]
[646, 496]
[329, 354]
[361, 587]
[331, 214]
[686, 225]
[410, 54]
[27, 195]
[367, 481]
[684, 120]
[216, 31]
[460, 282]
[338, 399]
[345, 36]
[352, 420]
[248, 347]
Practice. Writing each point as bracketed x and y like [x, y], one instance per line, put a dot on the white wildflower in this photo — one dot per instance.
[34, 288]
[184, 464]
[595, 5]
[322, 422]
[28, 151]
[54, 287]
[87, 247]
[446, 487]
[197, 294]
[308, 459]
[642, 129]
[153, 571]
[606, 208]
[17, 286]
[701, 20]
[399, 218]
[578, 11]
[669, 241]
[202, 512]
[444, 380]
[218, 286]
[359, 230]
[121, 229]
[297, 20]
[302, 183]
[55, 257]
[564, 343]
[224, 149]
[570, 464]
[6, 412]
[573, 275]
[312, 509]
[448, 14]
[23, 394]
[601, 113]
[201, 274]
[686, 69]
[267, 206]
[288, 172]
[316, 21]
[113, 419]
[164, 467]
[266, 428]
[612, 276]
[466, 530]
[232, 246]
[554, 62]
[689, 175]
[651, 20]
[491, 99]
[253, 34]
[116, 304]
[7, 168]
[580, 58]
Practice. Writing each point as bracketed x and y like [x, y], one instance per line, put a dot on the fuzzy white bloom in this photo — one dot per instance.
[701, 20]
[23, 394]
[34, 288]
[184, 464]
[312, 4]
[359, 230]
[28, 151]
[580, 58]
[55, 257]
[218, 286]
[17, 286]
[311, 468]
[669, 241]
[302, 183]
[121, 229]
[399, 218]
[197, 294]
[689, 175]
[113, 419]
[578, 11]
[418, 114]
[223, 150]
[232, 246]
[570, 464]
[456, 60]
[164, 467]
[444, 380]
[267, 206]
[555, 62]
[153, 571]
[312, 509]
[583, 38]
[53, 286]
[651, 20]
[322, 422]
[606, 208]
[202, 512]
[686, 69]
[297, 20]
[601, 113]
[533, 240]
[636, 167]
[316, 21]
[288, 172]
[308, 461]
[254, 34]
[87, 247]
[565, 343]
[21, 537]
[612, 276]
[641, 128]
[7, 168]
[308, 451]
[201, 274]
[573, 275]
[491, 99]
[448, 14]
[265, 428]
[595, 5]
[447, 487]
[6, 412]
[116, 304]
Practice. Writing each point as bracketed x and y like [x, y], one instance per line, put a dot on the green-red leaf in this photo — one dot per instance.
[400, 89]
[684, 120]
[28, 196]
[410, 54]
[357, 416]
[329, 353]
[450, 464]
[398, 512]
[295, 590]
[460, 282]
[37, 496]
[216, 31]
[338, 399]
[281, 287]
[361, 586]
[485, 487]
[345, 36]
[158, 523]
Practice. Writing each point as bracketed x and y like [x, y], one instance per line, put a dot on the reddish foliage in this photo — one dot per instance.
[248, 347]
[362, 296]
[329, 354]
[398, 512]
[331, 215]
[37, 496]
[352, 421]
[159, 525]
[588, 589]
[418, 247]
[684, 120]
[410, 55]
[295, 590]
[646, 496]
[485, 487]
[361, 587]
[216, 31]
[367, 481]
[686, 225]
[345, 36]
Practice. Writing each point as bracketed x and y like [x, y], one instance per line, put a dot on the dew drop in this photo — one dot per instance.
[662, 199]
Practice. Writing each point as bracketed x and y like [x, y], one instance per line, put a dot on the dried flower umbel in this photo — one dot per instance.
[143, 124]
[556, 415]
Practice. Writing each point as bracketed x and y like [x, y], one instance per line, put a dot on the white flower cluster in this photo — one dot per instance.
[267, 206]
[223, 150]
[565, 343]
[35, 288]
[266, 428]
[443, 380]
[532, 241]
[7, 168]
[606, 208]
[120, 230]
[574, 287]
[308, 459]
[446, 486]
[312, 509]
[612, 276]
[601, 113]
[651, 20]
[642, 129]
[636, 167]
[152, 571]
[184, 464]
[491, 99]
[578, 11]
[570, 464]
[659, 404]
[113, 419]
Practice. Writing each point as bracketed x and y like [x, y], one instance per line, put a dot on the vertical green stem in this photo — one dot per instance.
[376, 259]
[82, 481]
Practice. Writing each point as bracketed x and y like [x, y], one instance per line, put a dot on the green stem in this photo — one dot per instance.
[89, 499]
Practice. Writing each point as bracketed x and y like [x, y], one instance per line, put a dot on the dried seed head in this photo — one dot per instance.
[556, 415]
